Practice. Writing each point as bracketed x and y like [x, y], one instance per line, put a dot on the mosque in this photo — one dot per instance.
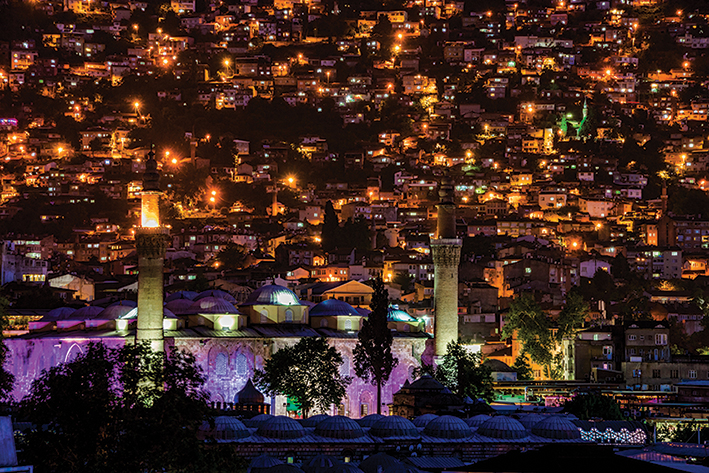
[231, 340]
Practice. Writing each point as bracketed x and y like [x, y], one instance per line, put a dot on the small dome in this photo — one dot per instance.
[212, 305]
[133, 314]
[86, 313]
[557, 428]
[179, 306]
[117, 310]
[398, 315]
[281, 427]
[530, 420]
[272, 295]
[188, 295]
[226, 428]
[285, 468]
[339, 427]
[313, 421]
[333, 307]
[423, 420]
[320, 464]
[503, 427]
[60, 313]
[394, 426]
[256, 421]
[368, 421]
[263, 463]
[249, 394]
[219, 294]
[478, 420]
[344, 468]
[377, 463]
[448, 427]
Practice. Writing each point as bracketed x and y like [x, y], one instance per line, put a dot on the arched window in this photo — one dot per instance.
[73, 352]
[242, 365]
[264, 316]
[323, 323]
[345, 366]
[289, 315]
[348, 324]
[220, 364]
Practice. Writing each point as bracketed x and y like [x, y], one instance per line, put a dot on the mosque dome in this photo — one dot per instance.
[281, 427]
[313, 421]
[503, 427]
[530, 420]
[448, 427]
[344, 468]
[423, 420]
[339, 427]
[377, 463]
[398, 315]
[263, 463]
[320, 464]
[285, 468]
[133, 314]
[557, 428]
[394, 426]
[179, 306]
[218, 293]
[60, 313]
[116, 311]
[368, 421]
[86, 312]
[272, 295]
[332, 307]
[249, 394]
[226, 428]
[256, 421]
[212, 305]
[189, 295]
[478, 420]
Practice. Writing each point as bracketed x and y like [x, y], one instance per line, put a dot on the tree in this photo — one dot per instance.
[373, 358]
[308, 373]
[117, 409]
[587, 406]
[6, 378]
[330, 228]
[462, 372]
[232, 256]
[403, 279]
[521, 366]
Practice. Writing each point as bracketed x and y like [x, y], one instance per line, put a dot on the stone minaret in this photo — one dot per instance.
[150, 243]
[446, 258]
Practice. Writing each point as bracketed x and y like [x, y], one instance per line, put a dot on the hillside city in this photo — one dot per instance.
[304, 145]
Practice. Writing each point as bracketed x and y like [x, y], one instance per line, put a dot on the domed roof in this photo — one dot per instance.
[556, 427]
[86, 312]
[339, 427]
[249, 394]
[478, 420]
[401, 468]
[219, 294]
[313, 421]
[503, 427]
[344, 468]
[60, 313]
[212, 305]
[448, 427]
[530, 420]
[116, 310]
[394, 426]
[423, 420]
[320, 464]
[377, 463]
[179, 306]
[426, 383]
[281, 427]
[262, 463]
[398, 315]
[285, 468]
[189, 295]
[256, 421]
[226, 428]
[272, 295]
[368, 421]
[333, 307]
[133, 314]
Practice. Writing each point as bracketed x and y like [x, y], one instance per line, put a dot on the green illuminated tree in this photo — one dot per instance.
[587, 406]
[308, 373]
[373, 358]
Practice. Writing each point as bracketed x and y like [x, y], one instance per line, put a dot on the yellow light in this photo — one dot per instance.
[214, 193]
[226, 62]
[211, 199]
[290, 180]
[135, 27]
[608, 72]
[174, 160]
[60, 150]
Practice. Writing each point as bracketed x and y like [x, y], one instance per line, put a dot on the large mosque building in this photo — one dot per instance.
[229, 340]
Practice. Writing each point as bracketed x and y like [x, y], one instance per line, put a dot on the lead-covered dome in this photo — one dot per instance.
[448, 427]
[116, 311]
[257, 420]
[186, 295]
[339, 427]
[333, 307]
[263, 463]
[320, 464]
[226, 428]
[423, 420]
[503, 427]
[86, 312]
[179, 306]
[394, 426]
[218, 293]
[272, 294]
[530, 420]
[344, 468]
[133, 314]
[281, 427]
[368, 421]
[557, 428]
[377, 463]
[60, 313]
[313, 421]
[212, 305]
[249, 394]
[398, 315]
[478, 420]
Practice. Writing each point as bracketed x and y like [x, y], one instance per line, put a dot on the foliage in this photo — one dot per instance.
[232, 256]
[307, 373]
[685, 432]
[117, 409]
[403, 279]
[521, 366]
[587, 406]
[373, 358]
[462, 372]
[330, 227]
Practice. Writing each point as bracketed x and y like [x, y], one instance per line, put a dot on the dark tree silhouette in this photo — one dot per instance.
[330, 228]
